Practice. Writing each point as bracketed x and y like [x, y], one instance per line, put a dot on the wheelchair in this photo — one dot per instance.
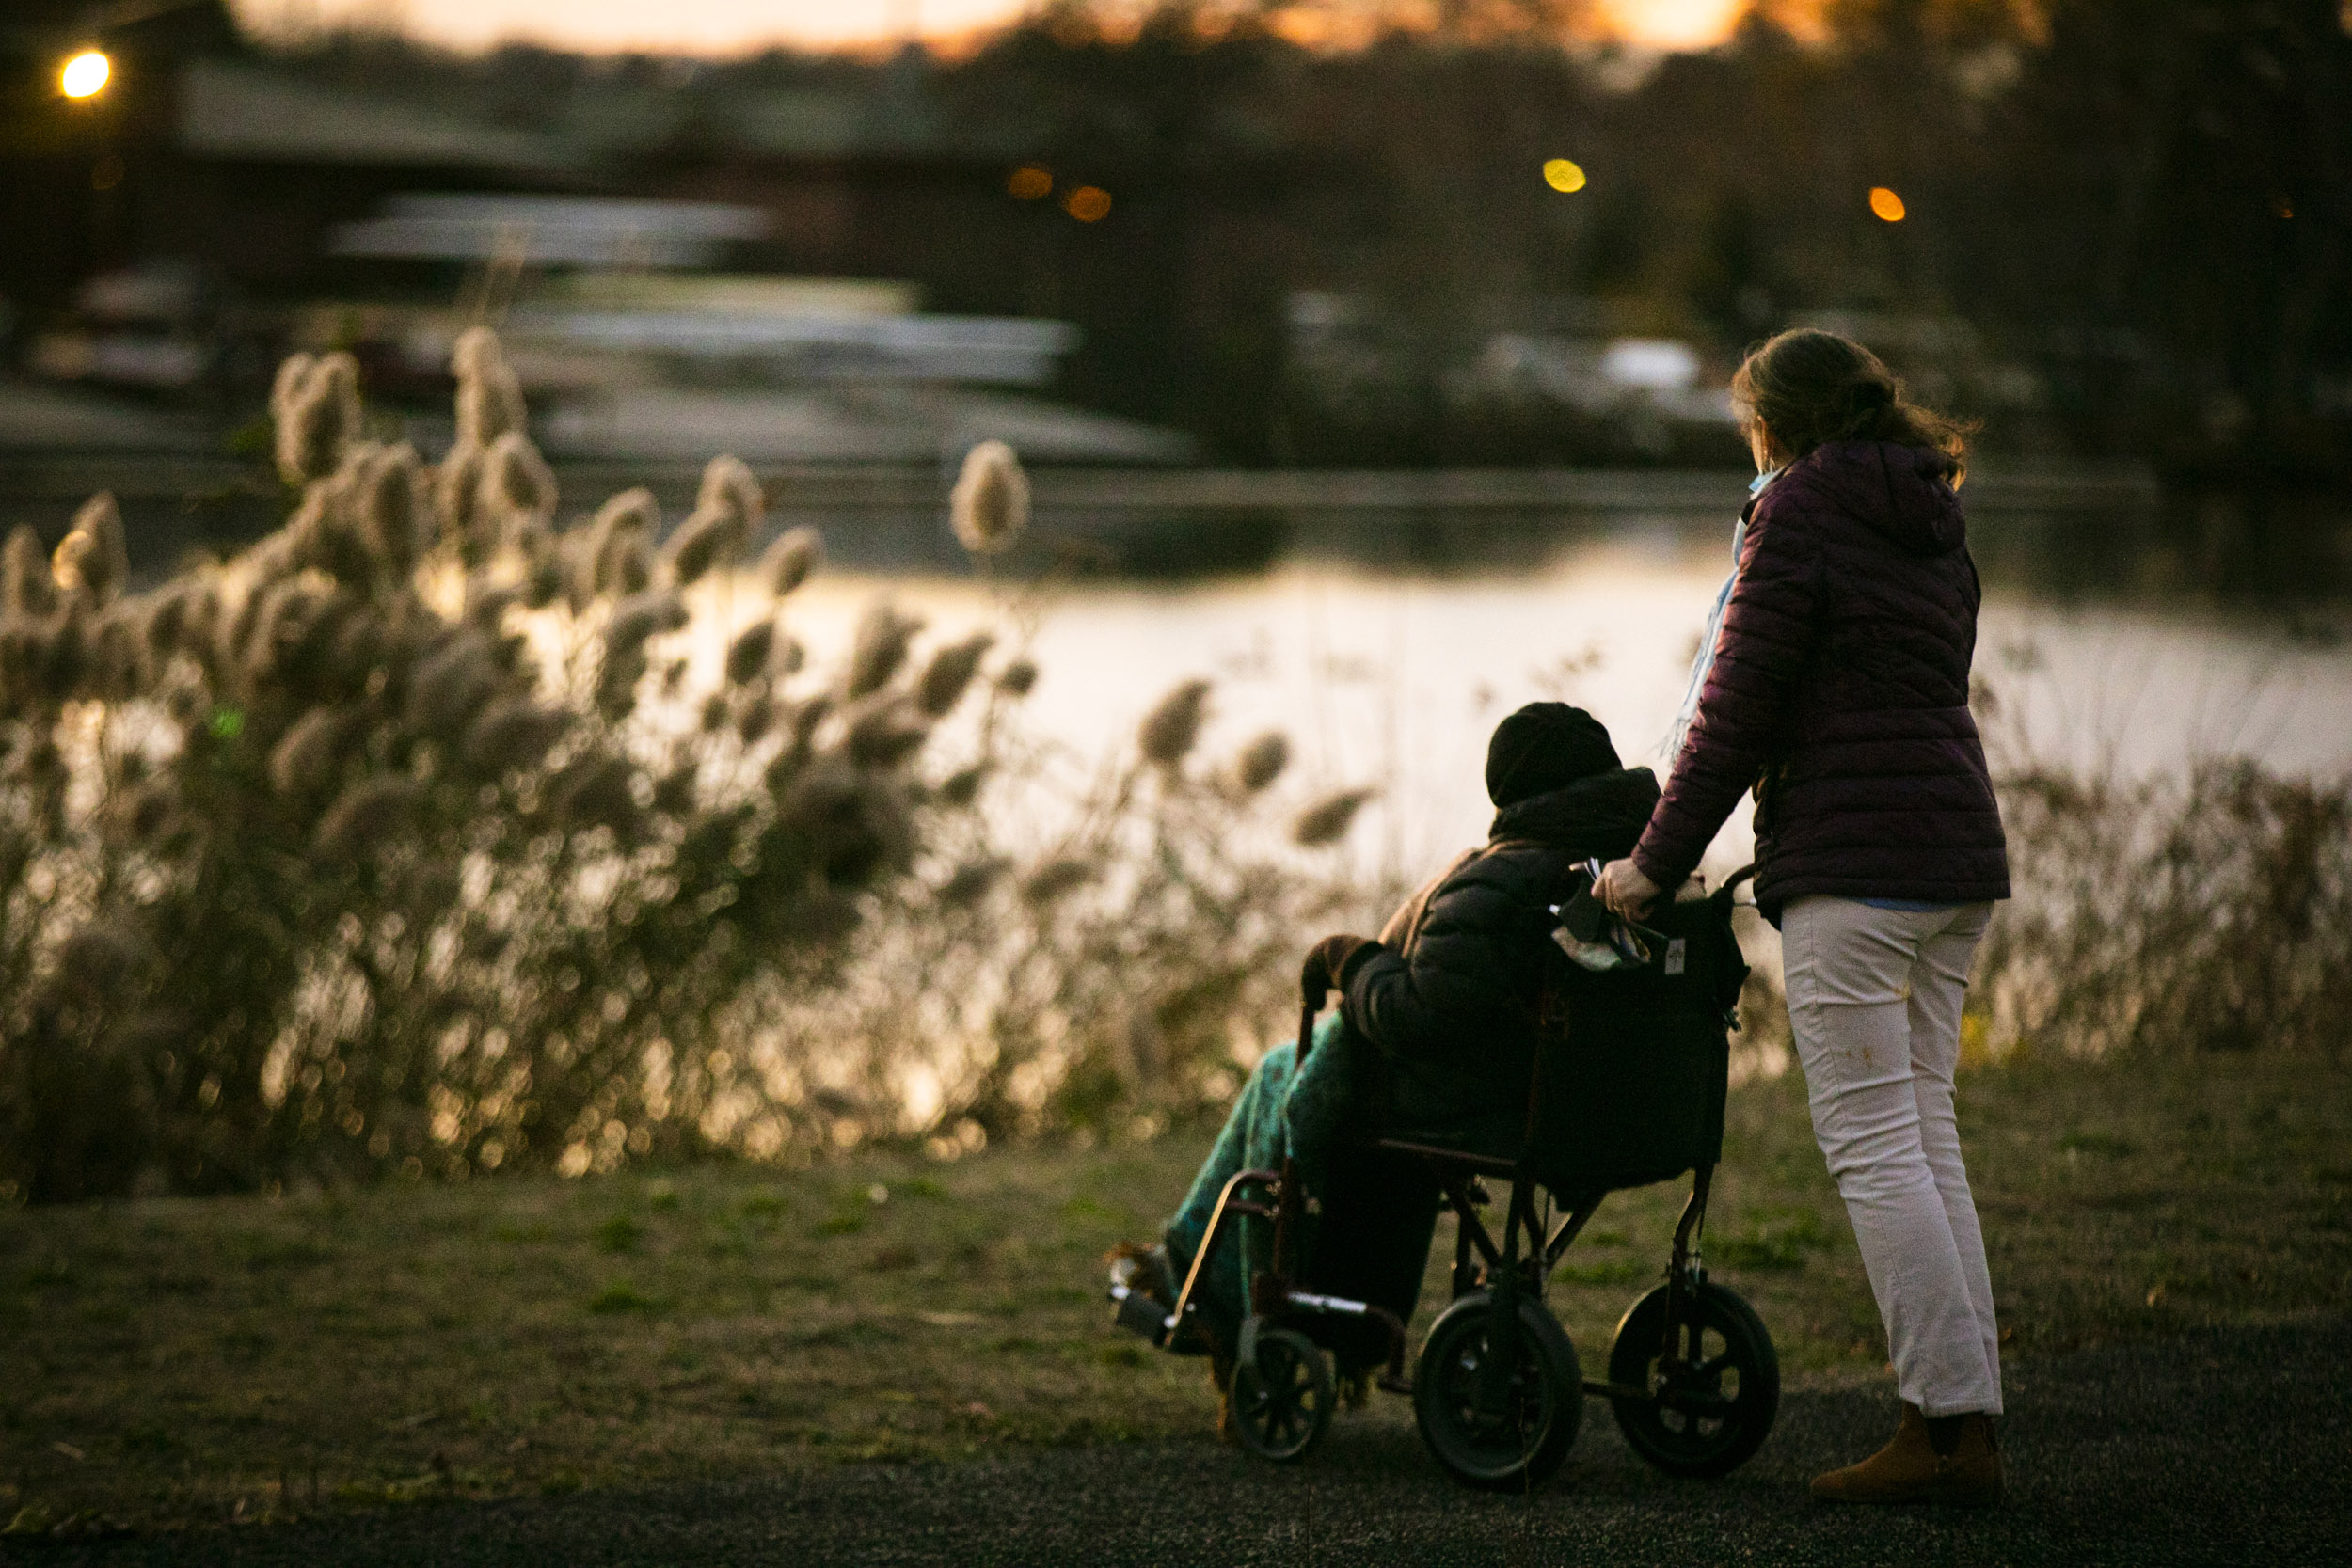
[1626, 1090]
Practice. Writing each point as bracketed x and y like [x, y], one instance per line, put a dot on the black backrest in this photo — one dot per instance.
[1632, 1069]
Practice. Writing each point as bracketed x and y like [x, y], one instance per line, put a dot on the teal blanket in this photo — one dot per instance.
[1372, 1238]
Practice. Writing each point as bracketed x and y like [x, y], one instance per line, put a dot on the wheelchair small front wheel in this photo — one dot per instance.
[1713, 1381]
[1282, 1396]
[1505, 1431]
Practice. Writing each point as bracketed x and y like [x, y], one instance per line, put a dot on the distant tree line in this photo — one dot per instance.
[2131, 215]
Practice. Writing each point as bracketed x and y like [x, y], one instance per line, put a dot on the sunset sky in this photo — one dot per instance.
[733, 27]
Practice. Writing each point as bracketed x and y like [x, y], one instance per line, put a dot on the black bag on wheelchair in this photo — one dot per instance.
[1634, 1060]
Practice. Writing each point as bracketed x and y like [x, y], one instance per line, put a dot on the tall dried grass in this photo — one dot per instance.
[413, 839]
[2205, 911]
[359, 851]
[1124, 970]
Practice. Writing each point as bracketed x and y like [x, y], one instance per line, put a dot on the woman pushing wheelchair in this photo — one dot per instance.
[1833, 681]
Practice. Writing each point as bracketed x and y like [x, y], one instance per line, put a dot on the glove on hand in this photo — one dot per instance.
[1327, 967]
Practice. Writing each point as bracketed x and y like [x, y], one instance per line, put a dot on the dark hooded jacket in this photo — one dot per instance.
[1839, 693]
[1449, 997]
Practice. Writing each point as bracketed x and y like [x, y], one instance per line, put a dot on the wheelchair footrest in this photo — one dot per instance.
[1141, 1314]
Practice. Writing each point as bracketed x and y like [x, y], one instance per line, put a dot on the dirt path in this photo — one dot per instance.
[2225, 1448]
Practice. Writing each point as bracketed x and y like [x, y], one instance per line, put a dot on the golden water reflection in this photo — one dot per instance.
[1396, 680]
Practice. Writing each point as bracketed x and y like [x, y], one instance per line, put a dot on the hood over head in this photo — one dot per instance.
[1903, 494]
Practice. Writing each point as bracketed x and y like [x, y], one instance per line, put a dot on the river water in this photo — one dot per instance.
[1395, 677]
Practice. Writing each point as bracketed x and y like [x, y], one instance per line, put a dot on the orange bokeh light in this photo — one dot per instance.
[1087, 204]
[1673, 24]
[1886, 204]
[86, 74]
[1030, 182]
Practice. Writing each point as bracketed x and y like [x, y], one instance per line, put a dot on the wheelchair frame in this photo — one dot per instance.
[1513, 1272]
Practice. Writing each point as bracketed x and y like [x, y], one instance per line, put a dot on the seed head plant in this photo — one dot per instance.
[989, 505]
[314, 407]
[489, 396]
[1169, 731]
[94, 563]
[1262, 761]
[725, 514]
[27, 590]
[949, 673]
[789, 562]
[1328, 819]
[748, 656]
[614, 555]
[386, 866]
[879, 649]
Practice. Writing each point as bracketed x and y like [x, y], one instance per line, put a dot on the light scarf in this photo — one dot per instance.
[1704, 659]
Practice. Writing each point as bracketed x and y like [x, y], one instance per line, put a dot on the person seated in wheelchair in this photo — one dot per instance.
[1434, 1040]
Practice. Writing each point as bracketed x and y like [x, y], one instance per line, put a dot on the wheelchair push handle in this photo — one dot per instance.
[1725, 902]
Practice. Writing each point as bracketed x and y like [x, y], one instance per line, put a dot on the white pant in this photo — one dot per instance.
[1874, 999]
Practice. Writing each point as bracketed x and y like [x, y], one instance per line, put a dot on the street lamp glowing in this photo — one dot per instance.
[1563, 175]
[1885, 204]
[86, 74]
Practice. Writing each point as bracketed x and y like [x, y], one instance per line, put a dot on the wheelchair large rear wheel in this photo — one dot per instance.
[1713, 1384]
[1520, 1439]
[1282, 1396]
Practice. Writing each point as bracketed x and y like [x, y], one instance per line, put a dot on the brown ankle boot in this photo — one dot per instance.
[1951, 1459]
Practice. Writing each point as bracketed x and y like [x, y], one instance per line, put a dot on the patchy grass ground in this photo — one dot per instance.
[179, 1361]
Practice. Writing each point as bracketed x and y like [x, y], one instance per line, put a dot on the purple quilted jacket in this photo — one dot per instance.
[1839, 693]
